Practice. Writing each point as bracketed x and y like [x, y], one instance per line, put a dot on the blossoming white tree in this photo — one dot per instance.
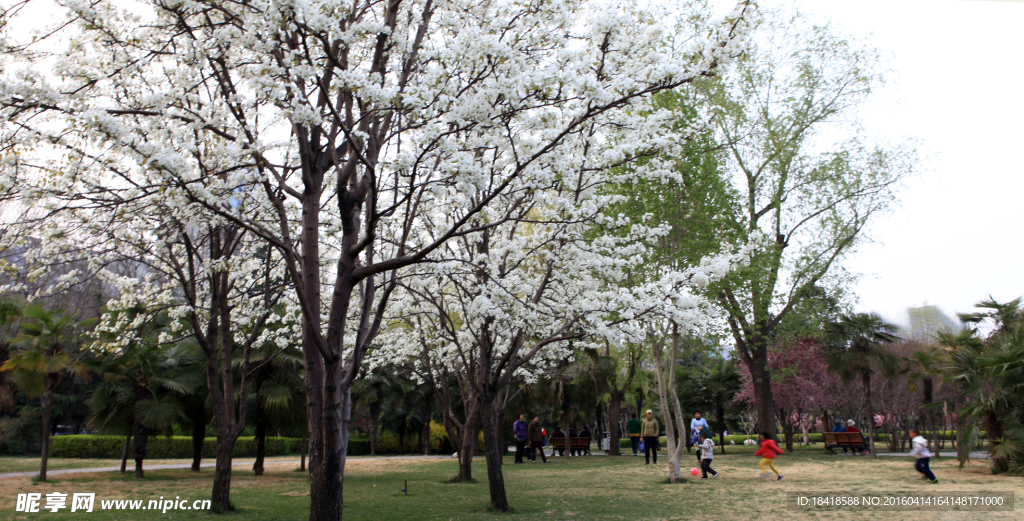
[356, 121]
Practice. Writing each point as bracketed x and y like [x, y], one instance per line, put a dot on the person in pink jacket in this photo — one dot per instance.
[768, 450]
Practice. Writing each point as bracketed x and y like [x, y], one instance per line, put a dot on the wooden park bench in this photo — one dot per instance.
[851, 440]
[580, 444]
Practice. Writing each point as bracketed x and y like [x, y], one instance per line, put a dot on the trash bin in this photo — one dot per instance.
[607, 444]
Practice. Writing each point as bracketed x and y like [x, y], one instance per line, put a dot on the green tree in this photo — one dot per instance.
[806, 197]
[855, 347]
[46, 351]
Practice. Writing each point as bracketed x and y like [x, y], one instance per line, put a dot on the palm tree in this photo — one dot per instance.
[279, 394]
[989, 373]
[10, 312]
[855, 346]
[45, 352]
[923, 367]
[141, 391]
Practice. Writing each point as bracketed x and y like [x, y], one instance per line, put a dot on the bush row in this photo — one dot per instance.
[159, 447]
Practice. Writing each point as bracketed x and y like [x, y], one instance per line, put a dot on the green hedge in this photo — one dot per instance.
[358, 446]
[159, 447]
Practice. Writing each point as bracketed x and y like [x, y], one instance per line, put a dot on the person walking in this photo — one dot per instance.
[521, 434]
[536, 439]
[633, 428]
[768, 450]
[698, 425]
[923, 455]
[707, 447]
[649, 430]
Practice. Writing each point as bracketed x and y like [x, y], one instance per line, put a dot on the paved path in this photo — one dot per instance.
[131, 466]
[974, 455]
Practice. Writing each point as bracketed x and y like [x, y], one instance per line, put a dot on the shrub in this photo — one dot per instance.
[159, 447]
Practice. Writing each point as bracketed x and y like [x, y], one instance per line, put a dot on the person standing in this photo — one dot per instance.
[536, 439]
[698, 426]
[707, 447]
[633, 428]
[521, 434]
[768, 450]
[923, 455]
[649, 430]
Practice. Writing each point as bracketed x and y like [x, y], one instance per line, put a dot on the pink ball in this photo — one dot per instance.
[694, 471]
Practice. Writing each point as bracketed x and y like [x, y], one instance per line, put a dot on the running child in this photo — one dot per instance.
[923, 455]
[707, 448]
[768, 450]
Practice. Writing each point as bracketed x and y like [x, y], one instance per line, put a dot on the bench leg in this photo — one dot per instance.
[830, 451]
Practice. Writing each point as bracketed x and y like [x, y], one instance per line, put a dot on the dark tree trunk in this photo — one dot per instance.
[326, 479]
[614, 410]
[426, 427]
[302, 453]
[787, 429]
[493, 449]
[222, 474]
[374, 426]
[467, 448]
[762, 389]
[47, 419]
[198, 439]
[261, 437]
[869, 410]
[141, 440]
[720, 417]
[124, 453]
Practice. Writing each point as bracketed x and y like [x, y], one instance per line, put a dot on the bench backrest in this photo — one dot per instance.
[574, 443]
[851, 438]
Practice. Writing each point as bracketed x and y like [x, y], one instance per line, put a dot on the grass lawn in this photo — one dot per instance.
[596, 487]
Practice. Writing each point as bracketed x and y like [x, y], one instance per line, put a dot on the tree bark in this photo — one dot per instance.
[326, 483]
[302, 453]
[493, 441]
[261, 437]
[720, 416]
[222, 474]
[468, 440]
[47, 419]
[198, 440]
[124, 453]
[868, 408]
[141, 440]
[762, 390]
[374, 426]
[614, 410]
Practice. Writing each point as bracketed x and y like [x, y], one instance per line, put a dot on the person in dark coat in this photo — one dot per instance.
[521, 434]
[559, 433]
[536, 439]
[585, 433]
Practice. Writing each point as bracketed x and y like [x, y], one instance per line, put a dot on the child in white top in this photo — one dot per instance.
[707, 448]
[919, 450]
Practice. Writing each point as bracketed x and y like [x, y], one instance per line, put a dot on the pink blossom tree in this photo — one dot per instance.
[800, 384]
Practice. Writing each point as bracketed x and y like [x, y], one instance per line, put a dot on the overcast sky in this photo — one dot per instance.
[958, 89]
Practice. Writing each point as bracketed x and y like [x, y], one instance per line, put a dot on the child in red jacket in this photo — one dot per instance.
[767, 451]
